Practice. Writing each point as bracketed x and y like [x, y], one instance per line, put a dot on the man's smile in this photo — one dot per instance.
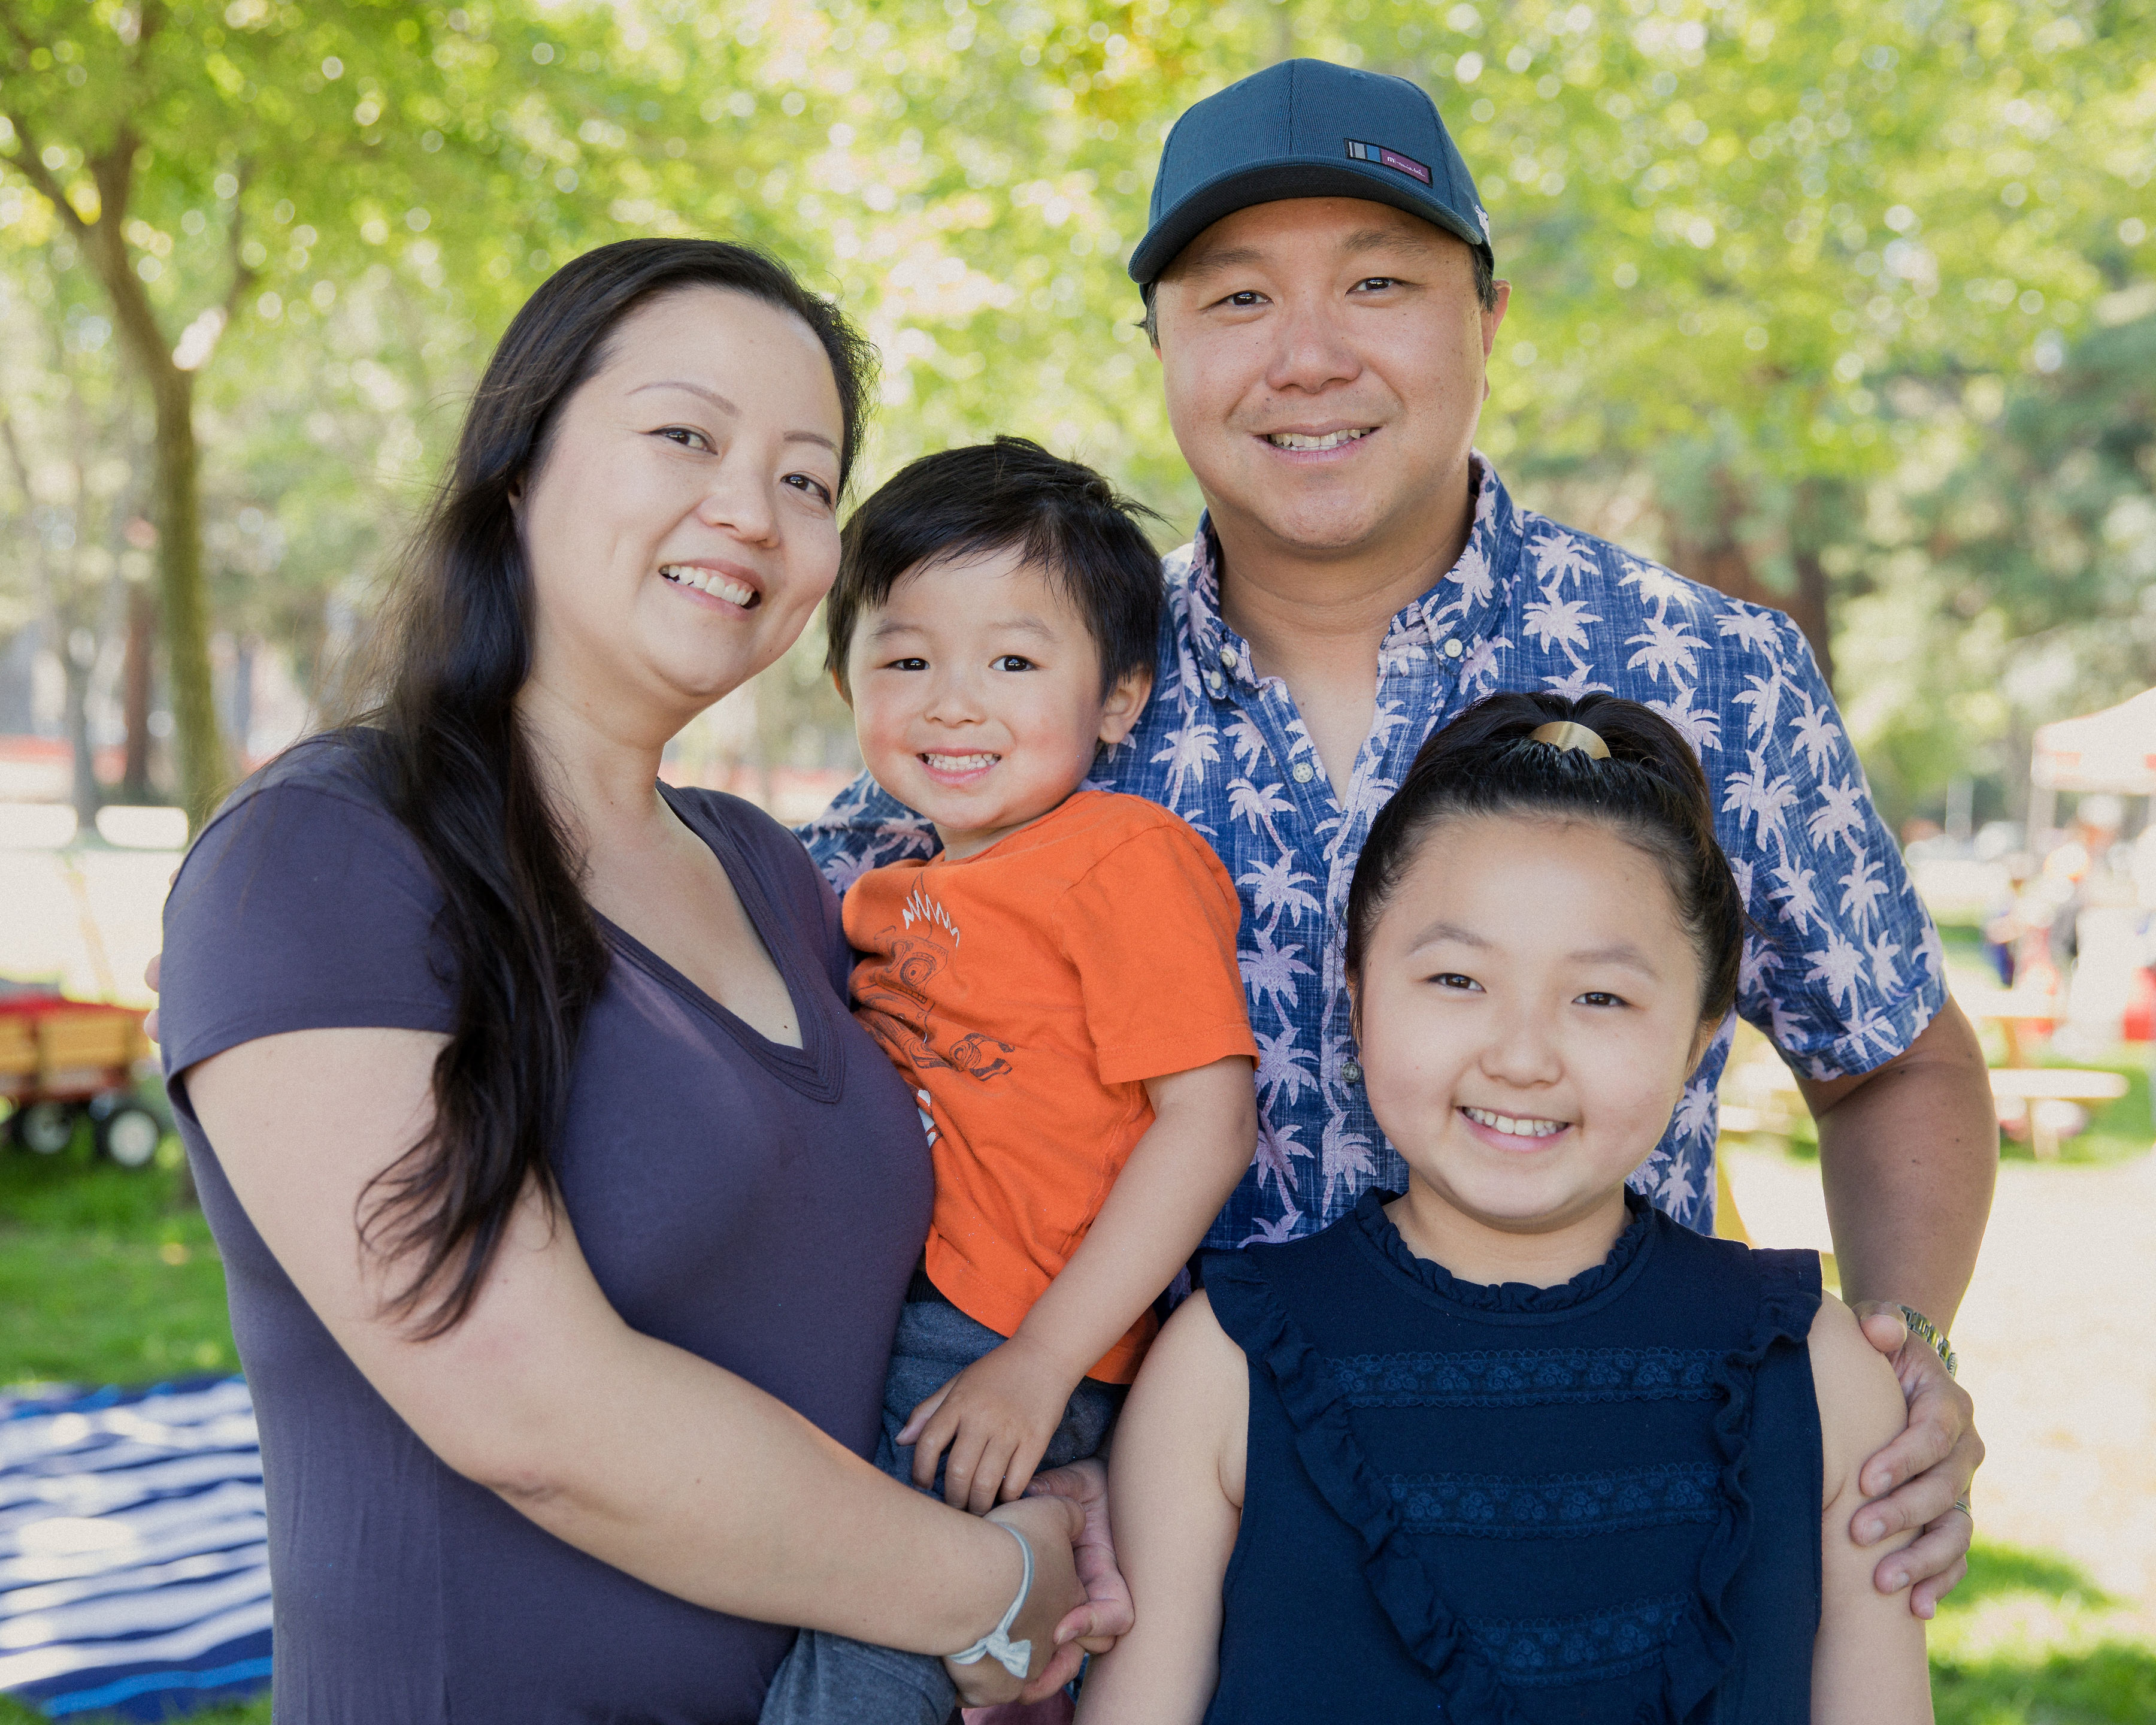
[1318, 439]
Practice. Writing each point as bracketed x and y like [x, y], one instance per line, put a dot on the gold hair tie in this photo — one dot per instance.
[1564, 734]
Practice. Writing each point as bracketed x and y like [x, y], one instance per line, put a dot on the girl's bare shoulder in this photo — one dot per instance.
[1193, 1395]
[1860, 1406]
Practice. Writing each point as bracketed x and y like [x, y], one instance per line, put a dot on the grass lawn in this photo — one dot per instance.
[108, 1276]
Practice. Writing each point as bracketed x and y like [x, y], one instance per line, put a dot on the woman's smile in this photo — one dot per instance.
[713, 581]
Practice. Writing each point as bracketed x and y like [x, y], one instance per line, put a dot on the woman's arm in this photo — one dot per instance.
[642, 1455]
[1176, 1498]
[1868, 1665]
[998, 1415]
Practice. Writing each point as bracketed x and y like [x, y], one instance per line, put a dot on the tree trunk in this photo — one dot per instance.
[203, 770]
[1717, 558]
[75, 721]
[134, 691]
[177, 489]
[239, 699]
[1812, 513]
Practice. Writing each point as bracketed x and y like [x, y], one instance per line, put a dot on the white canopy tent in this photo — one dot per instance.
[2112, 751]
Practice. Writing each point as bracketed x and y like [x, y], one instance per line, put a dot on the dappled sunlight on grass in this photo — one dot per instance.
[2029, 1639]
[107, 1275]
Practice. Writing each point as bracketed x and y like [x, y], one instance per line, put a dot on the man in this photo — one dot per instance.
[1319, 289]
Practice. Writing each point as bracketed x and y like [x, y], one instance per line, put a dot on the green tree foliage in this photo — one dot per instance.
[1780, 266]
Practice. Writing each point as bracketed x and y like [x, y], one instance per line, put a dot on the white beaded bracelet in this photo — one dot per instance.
[1016, 1657]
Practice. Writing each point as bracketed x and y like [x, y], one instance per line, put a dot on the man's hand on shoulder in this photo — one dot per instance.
[1921, 1479]
[150, 982]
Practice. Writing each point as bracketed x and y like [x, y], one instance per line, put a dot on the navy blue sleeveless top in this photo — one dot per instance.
[1517, 1505]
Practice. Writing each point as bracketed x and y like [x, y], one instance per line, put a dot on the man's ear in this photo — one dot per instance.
[1119, 711]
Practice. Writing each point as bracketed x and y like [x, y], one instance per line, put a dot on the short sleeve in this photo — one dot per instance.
[1843, 968]
[303, 906]
[1151, 930]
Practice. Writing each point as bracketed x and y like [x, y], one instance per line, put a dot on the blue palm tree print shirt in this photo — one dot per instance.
[1843, 969]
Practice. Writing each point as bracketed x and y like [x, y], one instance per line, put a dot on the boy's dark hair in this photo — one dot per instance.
[963, 503]
[1651, 791]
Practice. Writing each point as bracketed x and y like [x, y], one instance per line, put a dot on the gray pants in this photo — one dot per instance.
[831, 1680]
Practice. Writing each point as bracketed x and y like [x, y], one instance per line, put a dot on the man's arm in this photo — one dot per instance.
[1909, 1154]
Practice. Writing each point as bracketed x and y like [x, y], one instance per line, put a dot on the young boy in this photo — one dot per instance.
[1060, 986]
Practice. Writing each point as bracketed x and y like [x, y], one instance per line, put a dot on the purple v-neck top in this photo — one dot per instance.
[759, 1205]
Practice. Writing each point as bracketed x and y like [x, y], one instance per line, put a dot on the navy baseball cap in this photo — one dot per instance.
[1307, 129]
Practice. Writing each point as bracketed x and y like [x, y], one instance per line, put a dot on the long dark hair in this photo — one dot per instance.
[1651, 791]
[442, 672]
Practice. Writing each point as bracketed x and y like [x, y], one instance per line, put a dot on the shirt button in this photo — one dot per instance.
[1303, 773]
[1351, 1072]
[1453, 650]
[1228, 658]
[1215, 682]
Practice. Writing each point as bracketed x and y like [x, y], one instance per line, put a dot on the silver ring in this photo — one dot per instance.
[1962, 1504]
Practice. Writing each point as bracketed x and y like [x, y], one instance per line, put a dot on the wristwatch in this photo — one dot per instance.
[1925, 1331]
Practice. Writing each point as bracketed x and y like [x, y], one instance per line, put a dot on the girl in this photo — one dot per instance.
[1513, 1446]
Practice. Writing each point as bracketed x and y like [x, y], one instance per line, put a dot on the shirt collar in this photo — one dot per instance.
[1463, 607]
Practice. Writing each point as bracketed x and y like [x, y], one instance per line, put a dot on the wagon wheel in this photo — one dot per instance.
[129, 1135]
[43, 1128]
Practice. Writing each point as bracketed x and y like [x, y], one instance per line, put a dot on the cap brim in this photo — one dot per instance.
[1305, 177]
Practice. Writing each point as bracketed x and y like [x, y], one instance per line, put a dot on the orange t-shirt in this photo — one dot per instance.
[1026, 993]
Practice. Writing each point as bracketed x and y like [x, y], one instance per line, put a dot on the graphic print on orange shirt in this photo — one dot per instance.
[898, 1008]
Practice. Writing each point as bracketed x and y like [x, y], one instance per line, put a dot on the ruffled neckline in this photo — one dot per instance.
[1701, 1647]
[1512, 1296]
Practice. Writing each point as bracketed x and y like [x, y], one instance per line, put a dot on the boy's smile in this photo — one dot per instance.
[976, 690]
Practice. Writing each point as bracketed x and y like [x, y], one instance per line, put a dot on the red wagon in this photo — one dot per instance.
[60, 1059]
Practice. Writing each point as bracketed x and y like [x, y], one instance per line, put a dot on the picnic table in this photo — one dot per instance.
[2027, 1090]
[1761, 1094]
[2012, 1010]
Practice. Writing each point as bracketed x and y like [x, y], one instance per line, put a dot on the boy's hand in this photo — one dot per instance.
[996, 1418]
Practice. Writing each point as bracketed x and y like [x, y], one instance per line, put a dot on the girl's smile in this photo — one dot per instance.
[1509, 1133]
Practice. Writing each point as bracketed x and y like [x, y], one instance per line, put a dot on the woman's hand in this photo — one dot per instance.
[1107, 1611]
[1054, 1527]
[996, 1418]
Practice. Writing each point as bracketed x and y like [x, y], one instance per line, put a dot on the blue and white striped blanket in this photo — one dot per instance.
[134, 1573]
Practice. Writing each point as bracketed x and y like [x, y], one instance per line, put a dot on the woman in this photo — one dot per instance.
[566, 1213]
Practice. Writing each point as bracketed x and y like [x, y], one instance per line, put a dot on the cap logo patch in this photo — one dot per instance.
[1384, 157]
